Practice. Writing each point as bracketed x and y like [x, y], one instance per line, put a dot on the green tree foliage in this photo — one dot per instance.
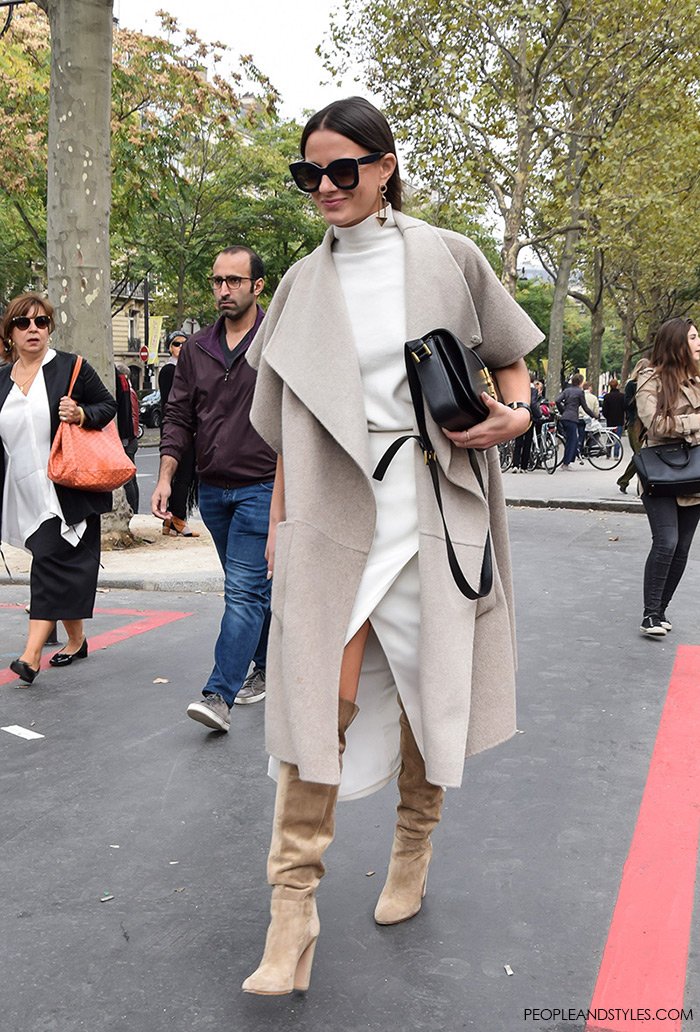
[201, 166]
[24, 114]
[523, 108]
[198, 164]
[471, 89]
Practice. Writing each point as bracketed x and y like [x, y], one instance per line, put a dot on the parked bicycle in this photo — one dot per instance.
[601, 447]
[545, 447]
[505, 455]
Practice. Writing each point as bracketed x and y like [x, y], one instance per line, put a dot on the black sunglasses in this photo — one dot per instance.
[343, 172]
[23, 322]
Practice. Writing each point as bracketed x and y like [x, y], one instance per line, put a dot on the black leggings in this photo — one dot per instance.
[672, 529]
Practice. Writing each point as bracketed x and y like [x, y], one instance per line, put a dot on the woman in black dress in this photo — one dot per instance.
[59, 526]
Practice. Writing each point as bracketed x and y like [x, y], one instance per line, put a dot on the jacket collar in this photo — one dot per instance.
[311, 347]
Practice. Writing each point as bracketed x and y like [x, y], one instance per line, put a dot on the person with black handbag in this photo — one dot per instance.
[668, 404]
[367, 677]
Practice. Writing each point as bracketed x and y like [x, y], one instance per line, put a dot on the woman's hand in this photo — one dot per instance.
[270, 549]
[68, 411]
[277, 515]
[501, 424]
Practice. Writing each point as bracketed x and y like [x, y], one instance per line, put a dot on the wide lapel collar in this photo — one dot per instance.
[437, 296]
[57, 374]
[312, 349]
[5, 384]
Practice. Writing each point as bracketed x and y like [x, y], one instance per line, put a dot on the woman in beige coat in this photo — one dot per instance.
[668, 404]
[364, 609]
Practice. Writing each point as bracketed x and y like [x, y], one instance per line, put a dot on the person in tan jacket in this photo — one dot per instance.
[668, 404]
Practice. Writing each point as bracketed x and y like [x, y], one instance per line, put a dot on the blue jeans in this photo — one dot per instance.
[571, 447]
[237, 519]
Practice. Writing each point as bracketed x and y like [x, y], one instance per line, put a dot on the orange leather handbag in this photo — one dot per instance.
[88, 460]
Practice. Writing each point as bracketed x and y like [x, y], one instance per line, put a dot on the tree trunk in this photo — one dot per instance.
[79, 180]
[115, 524]
[510, 251]
[79, 191]
[597, 321]
[556, 319]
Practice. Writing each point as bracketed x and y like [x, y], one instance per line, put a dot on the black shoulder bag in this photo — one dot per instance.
[669, 470]
[452, 378]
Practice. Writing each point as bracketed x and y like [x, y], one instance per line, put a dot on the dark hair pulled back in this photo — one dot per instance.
[364, 124]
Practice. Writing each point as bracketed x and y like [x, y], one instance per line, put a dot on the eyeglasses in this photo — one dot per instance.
[23, 322]
[232, 282]
[343, 172]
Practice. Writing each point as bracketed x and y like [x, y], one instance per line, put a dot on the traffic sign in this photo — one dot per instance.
[143, 353]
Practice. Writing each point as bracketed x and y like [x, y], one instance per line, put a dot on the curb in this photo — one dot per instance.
[202, 583]
[596, 504]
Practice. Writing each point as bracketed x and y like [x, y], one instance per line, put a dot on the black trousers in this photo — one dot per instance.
[63, 578]
[523, 446]
[673, 527]
[131, 487]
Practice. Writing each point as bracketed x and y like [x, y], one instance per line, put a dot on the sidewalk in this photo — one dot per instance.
[158, 563]
[155, 563]
[582, 487]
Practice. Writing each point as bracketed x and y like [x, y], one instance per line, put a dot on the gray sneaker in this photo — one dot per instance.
[252, 689]
[212, 711]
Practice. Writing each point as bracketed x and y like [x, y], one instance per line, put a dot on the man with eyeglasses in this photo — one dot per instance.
[209, 403]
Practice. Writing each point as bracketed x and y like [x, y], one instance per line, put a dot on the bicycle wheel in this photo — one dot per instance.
[505, 455]
[535, 457]
[550, 455]
[600, 448]
[559, 447]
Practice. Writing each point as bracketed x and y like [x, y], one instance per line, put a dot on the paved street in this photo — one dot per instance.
[126, 798]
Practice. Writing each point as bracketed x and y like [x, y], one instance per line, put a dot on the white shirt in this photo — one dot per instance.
[29, 497]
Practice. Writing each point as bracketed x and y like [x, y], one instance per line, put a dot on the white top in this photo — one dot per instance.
[370, 263]
[29, 497]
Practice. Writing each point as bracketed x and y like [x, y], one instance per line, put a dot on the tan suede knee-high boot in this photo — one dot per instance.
[303, 828]
[418, 812]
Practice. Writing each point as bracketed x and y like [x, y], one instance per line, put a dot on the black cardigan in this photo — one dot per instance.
[99, 407]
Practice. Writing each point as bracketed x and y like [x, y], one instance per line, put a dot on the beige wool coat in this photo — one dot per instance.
[308, 406]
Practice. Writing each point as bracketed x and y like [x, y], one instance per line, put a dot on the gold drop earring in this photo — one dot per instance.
[381, 215]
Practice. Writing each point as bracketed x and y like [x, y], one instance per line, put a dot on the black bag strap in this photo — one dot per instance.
[430, 458]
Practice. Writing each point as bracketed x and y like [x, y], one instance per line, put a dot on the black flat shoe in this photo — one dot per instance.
[65, 658]
[23, 670]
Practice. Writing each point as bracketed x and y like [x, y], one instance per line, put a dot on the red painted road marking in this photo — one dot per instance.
[645, 958]
[149, 620]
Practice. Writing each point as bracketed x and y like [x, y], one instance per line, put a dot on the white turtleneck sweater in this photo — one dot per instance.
[370, 263]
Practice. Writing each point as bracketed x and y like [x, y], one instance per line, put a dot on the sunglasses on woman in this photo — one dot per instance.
[23, 322]
[343, 172]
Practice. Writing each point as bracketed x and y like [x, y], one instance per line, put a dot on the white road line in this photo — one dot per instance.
[21, 732]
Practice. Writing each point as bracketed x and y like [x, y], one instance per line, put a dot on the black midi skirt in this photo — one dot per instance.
[63, 578]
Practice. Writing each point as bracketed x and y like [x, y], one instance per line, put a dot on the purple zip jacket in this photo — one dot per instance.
[211, 403]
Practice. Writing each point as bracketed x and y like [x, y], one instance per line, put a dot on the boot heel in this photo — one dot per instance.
[302, 975]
